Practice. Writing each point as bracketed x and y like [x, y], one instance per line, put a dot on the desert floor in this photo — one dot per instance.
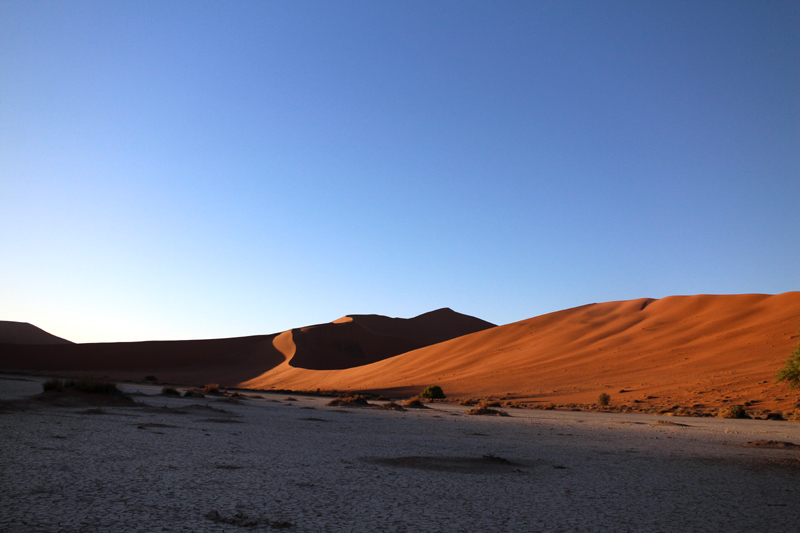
[180, 464]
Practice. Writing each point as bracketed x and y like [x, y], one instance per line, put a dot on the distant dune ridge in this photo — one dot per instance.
[702, 350]
[349, 341]
[24, 333]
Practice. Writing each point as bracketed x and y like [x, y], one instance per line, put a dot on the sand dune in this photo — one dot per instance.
[691, 351]
[682, 350]
[24, 333]
[350, 341]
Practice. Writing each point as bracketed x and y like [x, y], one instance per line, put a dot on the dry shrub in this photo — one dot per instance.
[734, 411]
[211, 388]
[468, 402]
[484, 408]
[170, 391]
[392, 406]
[88, 385]
[53, 384]
[415, 403]
[603, 400]
[193, 393]
[354, 400]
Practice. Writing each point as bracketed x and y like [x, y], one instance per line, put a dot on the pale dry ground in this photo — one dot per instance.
[331, 469]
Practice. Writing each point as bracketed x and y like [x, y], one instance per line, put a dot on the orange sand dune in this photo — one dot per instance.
[682, 350]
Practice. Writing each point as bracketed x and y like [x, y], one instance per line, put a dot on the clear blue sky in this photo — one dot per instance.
[187, 169]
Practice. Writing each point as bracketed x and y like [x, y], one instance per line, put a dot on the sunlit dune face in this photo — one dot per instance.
[343, 320]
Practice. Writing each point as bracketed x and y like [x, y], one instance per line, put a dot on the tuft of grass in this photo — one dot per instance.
[354, 400]
[483, 408]
[211, 388]
[415, 403]
[170, 391]
[603, 400]
[193, 393]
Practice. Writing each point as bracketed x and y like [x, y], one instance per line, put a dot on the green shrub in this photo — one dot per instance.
[790, 373]
[603, 400]
[434, 392]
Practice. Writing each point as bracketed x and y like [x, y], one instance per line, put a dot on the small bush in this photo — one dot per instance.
[415, 403]
[54, 384]
[734, 411]
[483, 409]
[603, 400]
[356, 400]
[434, 392]
[170, 391]
[193, 393]
[87, 385]
[790, 373]
[211, 388]
[94, 386]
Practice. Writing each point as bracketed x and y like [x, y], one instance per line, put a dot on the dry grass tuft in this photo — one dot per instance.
[484, 408]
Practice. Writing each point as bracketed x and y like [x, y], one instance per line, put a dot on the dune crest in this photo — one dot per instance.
[284, 343]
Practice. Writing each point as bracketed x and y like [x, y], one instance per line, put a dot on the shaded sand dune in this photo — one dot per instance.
[24, 333]
[681, 350]
[358, 340]
[224, 361]
[347, 342]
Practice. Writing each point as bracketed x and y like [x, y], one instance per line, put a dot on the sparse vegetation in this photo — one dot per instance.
[211, 388]
[355, 400]
[734, 411]
[415, 403]
[193, 393]
[170, 391]
[603, 400]
[434, 392]
[87, 385]
[790, 373]
[53, 384]
[483, 408]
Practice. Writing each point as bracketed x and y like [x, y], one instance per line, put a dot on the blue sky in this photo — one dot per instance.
[175, 170]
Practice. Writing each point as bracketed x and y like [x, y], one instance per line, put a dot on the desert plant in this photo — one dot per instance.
[53, 384]
[434, 392]
[734, 411]
[211, 388]
[87, 385]
[193, 393]
[170, 391]
[483, 409]
[790, 373]
[603, 400]
[354, 400]
[415, 403]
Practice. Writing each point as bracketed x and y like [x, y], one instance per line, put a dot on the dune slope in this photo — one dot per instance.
[686, 350]
[24, 333]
